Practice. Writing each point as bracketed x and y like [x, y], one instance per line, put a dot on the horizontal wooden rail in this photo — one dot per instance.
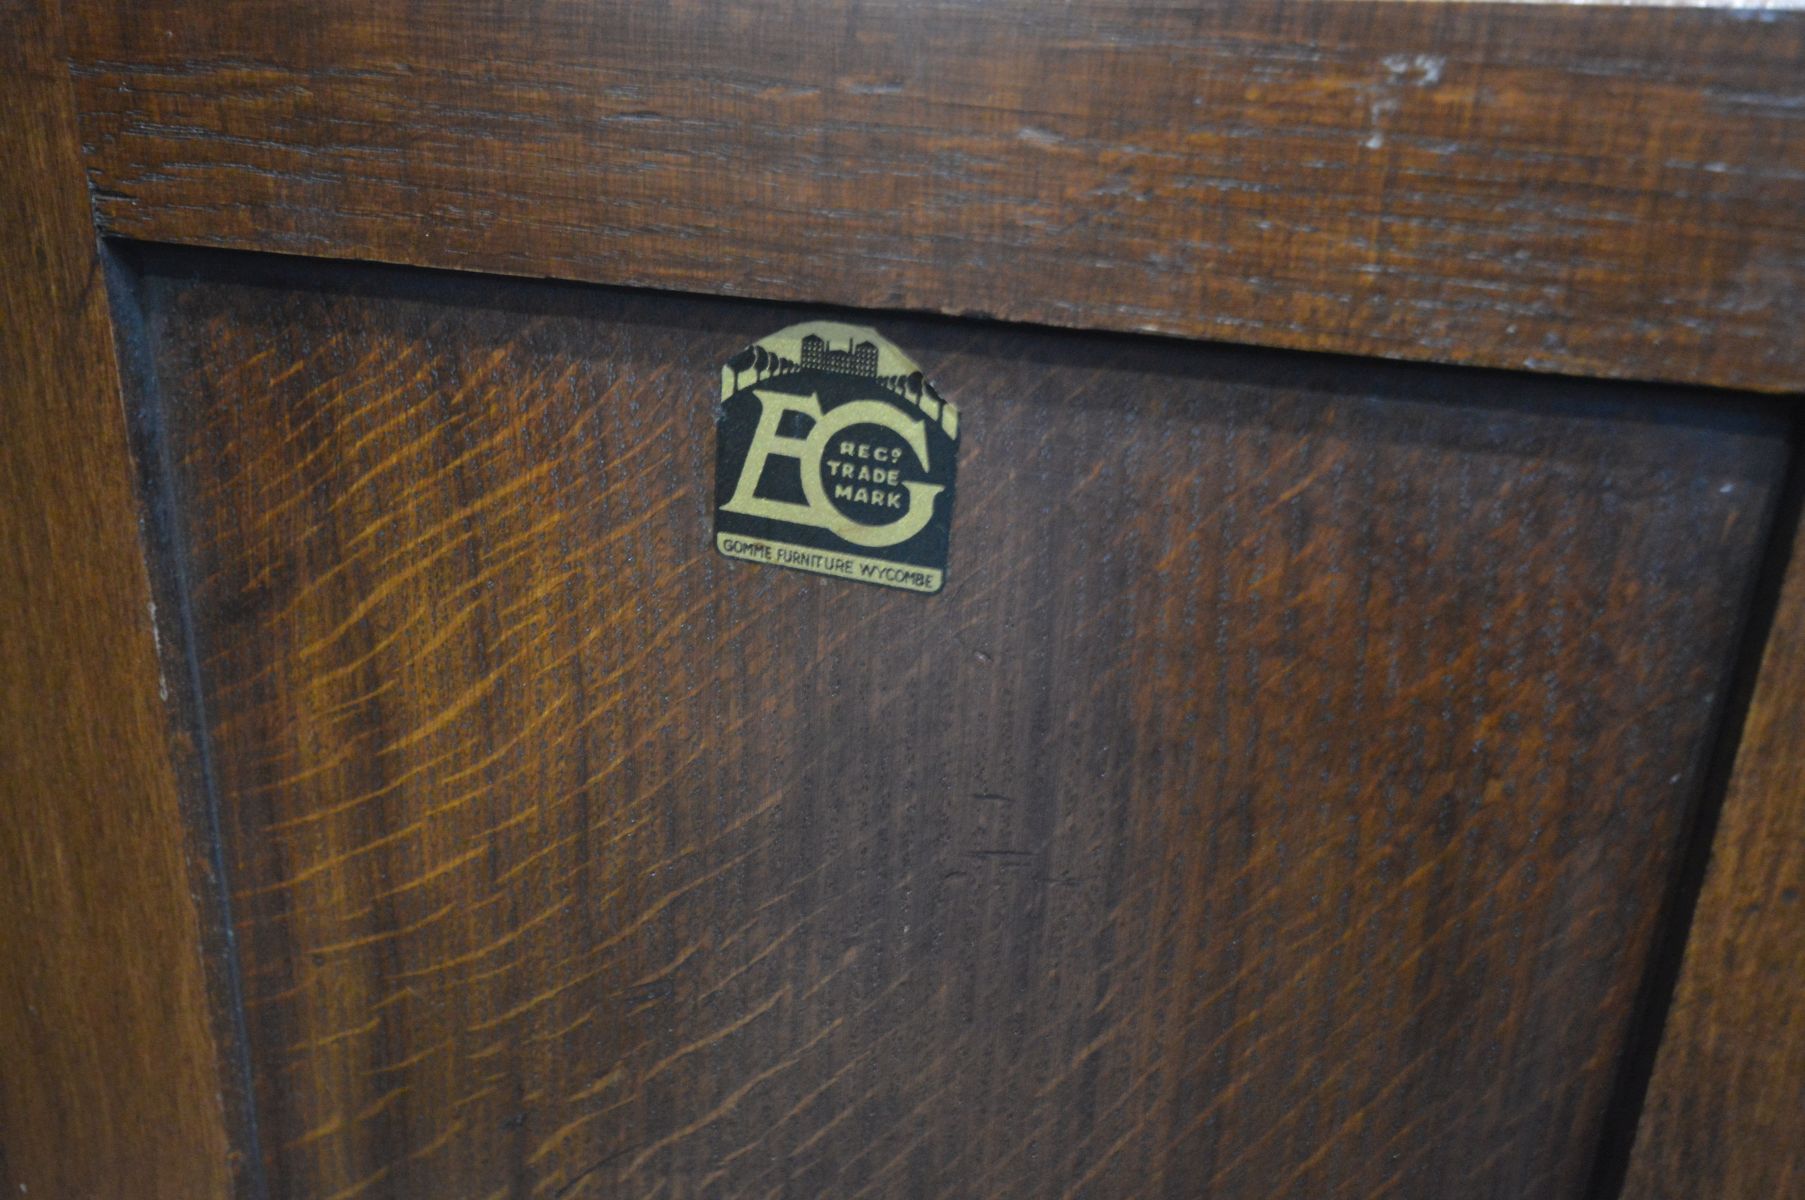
[1594, 190]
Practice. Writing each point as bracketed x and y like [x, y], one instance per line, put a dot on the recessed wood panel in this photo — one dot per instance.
[1277, 800]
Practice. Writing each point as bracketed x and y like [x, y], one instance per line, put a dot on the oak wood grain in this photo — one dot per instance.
[109, 1072]
[1276, 802]
[1726, 1107]
[1589, 189]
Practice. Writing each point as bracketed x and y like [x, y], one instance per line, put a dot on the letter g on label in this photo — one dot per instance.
[819, 510]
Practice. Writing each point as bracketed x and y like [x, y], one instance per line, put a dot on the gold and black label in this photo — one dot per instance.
[834, 455]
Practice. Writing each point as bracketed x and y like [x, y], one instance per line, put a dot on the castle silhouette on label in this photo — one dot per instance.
[859, 358]
[769, 358]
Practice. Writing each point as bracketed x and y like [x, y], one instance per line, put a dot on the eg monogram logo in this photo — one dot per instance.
[818, 508]
[834, 455]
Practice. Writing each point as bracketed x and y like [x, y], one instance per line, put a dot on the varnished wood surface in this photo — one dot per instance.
[1597, 189]
[1726, 1108]
[1276, 802]
[109, 1084]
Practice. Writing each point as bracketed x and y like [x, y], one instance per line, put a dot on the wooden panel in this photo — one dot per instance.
[1276, 801]
[109, 1083]
[1726, 1108]
[1590, 189]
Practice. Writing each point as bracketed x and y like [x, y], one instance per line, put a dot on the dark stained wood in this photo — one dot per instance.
[1725, 1112]
[1588, 189]
[1277, 802]
[109, 1073]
